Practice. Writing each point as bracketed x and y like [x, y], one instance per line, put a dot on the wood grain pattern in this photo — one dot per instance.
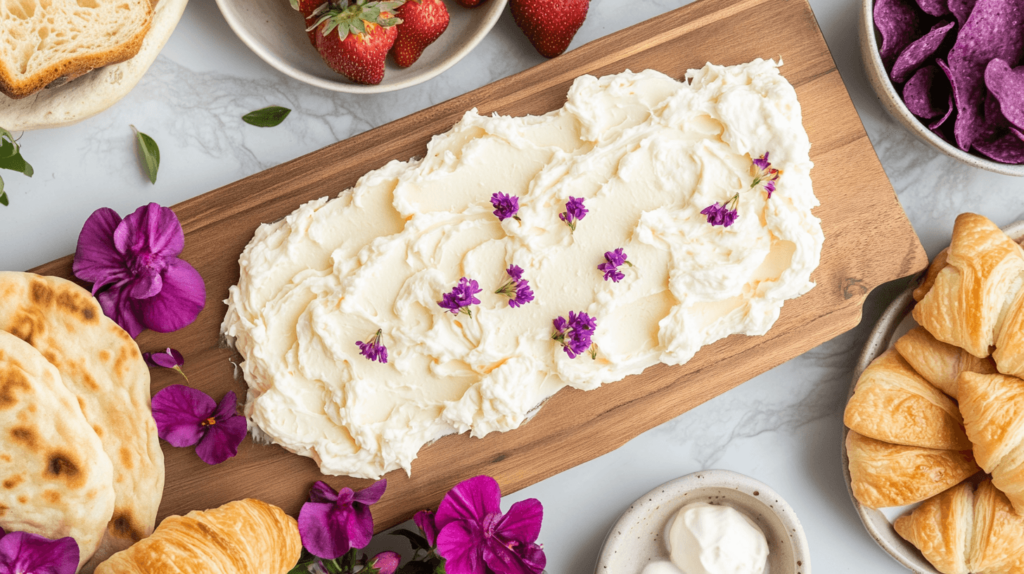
[868, 241]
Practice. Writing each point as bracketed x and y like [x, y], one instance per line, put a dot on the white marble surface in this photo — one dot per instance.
[782, 427]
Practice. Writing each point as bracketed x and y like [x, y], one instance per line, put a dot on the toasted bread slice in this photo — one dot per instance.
[44, 42]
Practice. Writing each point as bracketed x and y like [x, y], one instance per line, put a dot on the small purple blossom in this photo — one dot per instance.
[724, 214]
[374, 349]
[574, 212]
[385, 562]
[764, 174]
[334, 522]
[186, 416]
[461, 297]
[169, 359]
[575, 333]
[424, 520]
[474, 536]
[614, 260]
[21, 552]
[518, 289]
[505, 206]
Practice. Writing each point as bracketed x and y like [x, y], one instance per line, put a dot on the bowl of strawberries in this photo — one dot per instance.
[361, 46]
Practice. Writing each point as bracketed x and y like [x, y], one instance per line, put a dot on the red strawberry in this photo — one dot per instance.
[423, 21]
[470, 3]
[355, 40]
[550, 24]
[310, 8]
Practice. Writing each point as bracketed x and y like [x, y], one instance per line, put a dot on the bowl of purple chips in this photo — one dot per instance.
[952, 72]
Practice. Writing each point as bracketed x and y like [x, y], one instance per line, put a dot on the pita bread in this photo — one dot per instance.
[96, 91]
[102, 366]
[56, 479]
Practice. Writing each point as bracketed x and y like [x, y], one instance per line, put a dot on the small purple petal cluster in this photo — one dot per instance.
[374, 349]
[614, 260]
[724, 214]
[334, 522]
[169, 359]
[518, 289]
[574, 212]
[505, 206]
[186, 416]
[575, 334]
[30, 553]
[764, 174]
[461, 297]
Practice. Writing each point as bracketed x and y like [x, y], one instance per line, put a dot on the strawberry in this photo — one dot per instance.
[355, 40]
[469, 3]
[550, 24]
[309, 9]
[423, 21]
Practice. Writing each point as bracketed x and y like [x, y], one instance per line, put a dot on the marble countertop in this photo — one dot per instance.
[782, 427]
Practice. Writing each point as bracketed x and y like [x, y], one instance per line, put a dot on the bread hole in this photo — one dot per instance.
[88, 3]
[23, 9]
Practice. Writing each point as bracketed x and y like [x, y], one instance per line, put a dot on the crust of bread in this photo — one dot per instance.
[939, 363]
[996, 543]
[941, 528]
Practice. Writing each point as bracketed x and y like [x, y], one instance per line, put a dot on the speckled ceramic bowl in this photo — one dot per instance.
[895, 322]
[636, 539]
[893, 103]
[274, 31]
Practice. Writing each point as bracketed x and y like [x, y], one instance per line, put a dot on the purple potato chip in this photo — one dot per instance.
[950, 108]
[921, 94]
[994, 118]
[1006, 149]
[919, 52]
[961, 9]
[995, 29]
[1017, 132]
[1006, 85]
[934, 7]
[900, 23]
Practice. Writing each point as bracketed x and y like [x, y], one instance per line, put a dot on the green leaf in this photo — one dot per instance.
[3, 194]
[418, 542]
[294, 3]
[15, 162]
[267, 117]
[150, 154]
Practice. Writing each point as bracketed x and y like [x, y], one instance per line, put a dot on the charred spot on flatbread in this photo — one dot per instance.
[61, 465]
[14, 481]
[12, 384]
[123, 525]
[25, 436]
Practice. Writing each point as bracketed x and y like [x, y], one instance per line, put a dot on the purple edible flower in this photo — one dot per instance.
[424, 520]
[186, 416]
[374, 349]
[24, 553]
[518, 289]
[575, 334]
[385, 562]
[333, 522]
[764, 174]
[574, 212]
[169, 359]
[505, 206]
[475, 537]
[614, 260]
[461, 297]
[724, 214]
[135, 271]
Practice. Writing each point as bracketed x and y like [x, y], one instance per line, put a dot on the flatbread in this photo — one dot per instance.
[102, 366]
[96, 91]
[55, 479]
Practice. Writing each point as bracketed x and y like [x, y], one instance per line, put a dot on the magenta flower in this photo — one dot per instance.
[135, 271]
[614, 260]
[186, 416]
[332, 522]
[24, 553]
[474, 536]
[574, 212]
[169, 359]
[505, 206]
[424, 520]
[374, 349]
[385, 562]
[764, 174]
[724, 214]
[461, 297]
[575, 334]
[518, 289]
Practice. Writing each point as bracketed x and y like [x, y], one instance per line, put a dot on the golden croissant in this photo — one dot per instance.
[993, 410]
[977, 300]
[892, 403]
[940, 364]
[883, 474]
[241, 537]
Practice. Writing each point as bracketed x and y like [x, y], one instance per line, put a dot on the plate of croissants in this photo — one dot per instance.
[933, 453]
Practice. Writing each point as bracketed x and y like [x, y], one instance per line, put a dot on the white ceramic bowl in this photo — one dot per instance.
[636, 539]
[893, 103]
[895, 322]
[274, 31]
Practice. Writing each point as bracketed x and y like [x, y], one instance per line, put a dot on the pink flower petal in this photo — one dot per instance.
[96, 258]
[424, 520]
[461, 544]
[502, 559]
[371, 494]
[145, 285]
[151, 229]
[221, 440]
[118, 305]
[179, 302]
[33, 554]
[179, 412]
[522, 521]
[322, 492]
[471, 499]
[386, 562]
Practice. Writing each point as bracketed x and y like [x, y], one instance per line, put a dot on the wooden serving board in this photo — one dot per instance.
[868, 241]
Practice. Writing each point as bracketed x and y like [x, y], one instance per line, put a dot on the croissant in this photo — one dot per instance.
[892, 403]
[941, 528]
[884, 474]
[940, 364]
[241, 537]
[993, 409]
[938, 264]
[997, 542]
[977, 300]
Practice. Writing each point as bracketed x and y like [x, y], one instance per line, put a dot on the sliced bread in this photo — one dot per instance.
[45, 42]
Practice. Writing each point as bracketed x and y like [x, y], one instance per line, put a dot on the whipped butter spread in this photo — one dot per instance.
[646, 152]
[712, 539]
